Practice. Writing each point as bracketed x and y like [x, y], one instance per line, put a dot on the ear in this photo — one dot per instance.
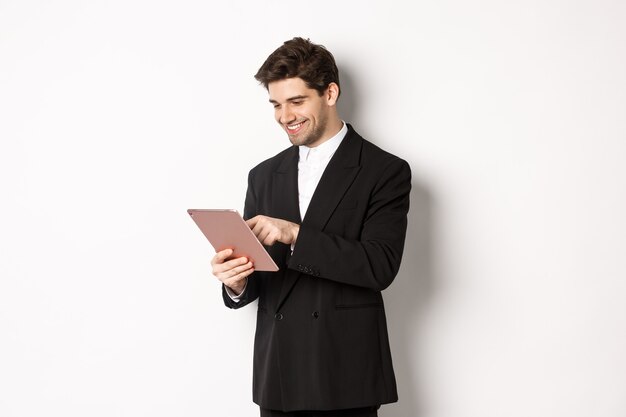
[332, 94]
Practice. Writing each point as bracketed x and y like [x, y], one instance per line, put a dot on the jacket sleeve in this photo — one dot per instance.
[373, 260]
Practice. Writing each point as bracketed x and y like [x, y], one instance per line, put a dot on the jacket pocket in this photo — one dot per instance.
[357, 306]
[352, 297]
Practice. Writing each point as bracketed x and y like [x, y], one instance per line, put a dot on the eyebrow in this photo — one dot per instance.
[294, 98]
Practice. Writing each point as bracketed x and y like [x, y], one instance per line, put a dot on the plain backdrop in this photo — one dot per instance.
[116, 116]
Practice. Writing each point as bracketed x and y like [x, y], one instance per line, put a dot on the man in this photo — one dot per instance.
[332, 210]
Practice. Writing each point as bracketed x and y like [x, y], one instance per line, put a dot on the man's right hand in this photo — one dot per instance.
[233, 272]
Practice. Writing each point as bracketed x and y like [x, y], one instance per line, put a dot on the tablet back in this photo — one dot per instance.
[227, 229]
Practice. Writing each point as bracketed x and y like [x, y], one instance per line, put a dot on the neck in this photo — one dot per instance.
[333, 127]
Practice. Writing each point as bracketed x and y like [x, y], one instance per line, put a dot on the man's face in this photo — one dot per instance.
[301, 111]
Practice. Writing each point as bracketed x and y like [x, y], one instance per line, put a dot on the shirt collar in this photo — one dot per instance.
[326, 149]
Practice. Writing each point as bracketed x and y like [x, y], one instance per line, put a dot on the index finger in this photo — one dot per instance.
[252, 222]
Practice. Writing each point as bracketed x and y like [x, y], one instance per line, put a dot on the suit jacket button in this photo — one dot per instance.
[315, 314]
[278, 316]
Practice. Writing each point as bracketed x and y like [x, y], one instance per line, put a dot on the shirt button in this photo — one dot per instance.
[315, 314]
[278, 316]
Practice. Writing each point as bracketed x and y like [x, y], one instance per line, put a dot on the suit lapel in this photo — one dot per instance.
[285, 203]
[339, 174]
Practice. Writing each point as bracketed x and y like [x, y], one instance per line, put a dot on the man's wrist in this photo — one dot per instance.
[233, 294]
[294, 233]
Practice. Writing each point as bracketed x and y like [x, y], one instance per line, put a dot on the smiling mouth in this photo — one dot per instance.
[294, 128]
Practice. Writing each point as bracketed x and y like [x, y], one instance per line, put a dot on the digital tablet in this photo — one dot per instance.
[226, 229]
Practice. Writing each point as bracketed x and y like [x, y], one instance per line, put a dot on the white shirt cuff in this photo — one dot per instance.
[234, 296]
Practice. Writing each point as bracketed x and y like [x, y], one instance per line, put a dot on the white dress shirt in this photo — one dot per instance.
[311, 165]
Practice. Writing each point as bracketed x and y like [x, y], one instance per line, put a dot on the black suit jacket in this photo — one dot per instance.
[321, 337]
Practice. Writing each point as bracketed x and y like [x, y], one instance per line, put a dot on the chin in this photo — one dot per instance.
[297, 141]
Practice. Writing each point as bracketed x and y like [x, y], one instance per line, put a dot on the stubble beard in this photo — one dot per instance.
[314, 135]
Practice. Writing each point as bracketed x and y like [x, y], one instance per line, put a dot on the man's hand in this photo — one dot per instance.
[233, 272]
[270, 230]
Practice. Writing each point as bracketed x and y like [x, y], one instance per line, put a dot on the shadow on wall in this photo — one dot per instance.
[406, 301]
[348, 101]
[412, 289]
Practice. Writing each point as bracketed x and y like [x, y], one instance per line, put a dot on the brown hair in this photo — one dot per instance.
[301, 58]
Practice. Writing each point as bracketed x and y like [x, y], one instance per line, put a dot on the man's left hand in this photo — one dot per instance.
[270, 230]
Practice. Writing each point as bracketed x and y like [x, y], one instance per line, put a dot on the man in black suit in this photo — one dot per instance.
[332, 209]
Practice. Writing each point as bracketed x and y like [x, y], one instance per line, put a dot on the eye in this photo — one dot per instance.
[296, 103]
[276, 106]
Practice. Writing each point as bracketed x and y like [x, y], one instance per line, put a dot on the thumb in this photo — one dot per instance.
[222, 255]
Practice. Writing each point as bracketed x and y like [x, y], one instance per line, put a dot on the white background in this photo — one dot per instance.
[117, 116]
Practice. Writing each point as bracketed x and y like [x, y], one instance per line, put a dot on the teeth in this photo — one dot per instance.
[294, 127]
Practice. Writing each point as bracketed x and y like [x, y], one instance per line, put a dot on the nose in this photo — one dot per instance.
[285, 115]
